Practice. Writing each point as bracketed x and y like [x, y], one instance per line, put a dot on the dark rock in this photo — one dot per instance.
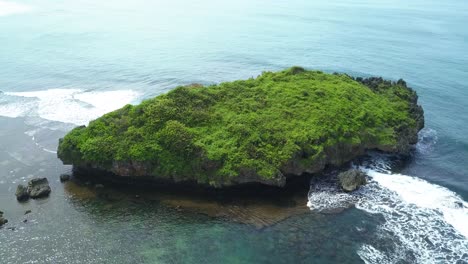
[2, 220]
[27, 212]
[25, 220]
[64, 177]
[22, 193]
[351, 180]
[38, 188]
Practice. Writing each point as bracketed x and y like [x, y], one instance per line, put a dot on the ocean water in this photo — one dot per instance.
[64, 63]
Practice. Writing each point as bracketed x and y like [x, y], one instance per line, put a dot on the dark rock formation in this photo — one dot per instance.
[3, 221]
[351, 180]
[22, 193]
[38, 188]
[64, 177]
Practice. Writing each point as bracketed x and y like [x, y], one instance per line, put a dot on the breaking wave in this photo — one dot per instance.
[425, 222]
[324, 196]
[64, 105]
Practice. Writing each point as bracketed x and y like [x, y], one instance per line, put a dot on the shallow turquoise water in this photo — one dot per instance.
[65, 63]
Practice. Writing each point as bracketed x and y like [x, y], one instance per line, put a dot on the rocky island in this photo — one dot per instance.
[262, 130]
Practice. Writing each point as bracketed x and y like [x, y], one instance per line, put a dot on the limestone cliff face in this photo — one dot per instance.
[296, 122]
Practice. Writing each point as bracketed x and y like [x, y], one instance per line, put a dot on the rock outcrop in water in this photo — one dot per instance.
[261, 130]
[351, 180]
[64, 177]
[21, 193]
[37, 188]
[3, 221]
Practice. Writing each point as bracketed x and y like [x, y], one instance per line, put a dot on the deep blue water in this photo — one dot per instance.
[63, 63]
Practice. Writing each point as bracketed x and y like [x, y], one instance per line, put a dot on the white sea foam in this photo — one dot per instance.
[324, 200]
[10, 8]
[372, 255]
[65, 105]
[324, 196]
[426, 195]
[425, 221]
[427, 140]
[49, 151]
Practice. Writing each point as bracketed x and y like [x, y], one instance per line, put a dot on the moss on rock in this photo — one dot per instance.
[262, 129]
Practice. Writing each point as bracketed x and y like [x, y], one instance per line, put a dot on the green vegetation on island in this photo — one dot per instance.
[263, 129]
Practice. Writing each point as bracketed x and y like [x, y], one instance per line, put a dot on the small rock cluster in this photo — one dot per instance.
[352, 179]
[64, 177]
[37, 188]
[2, 220]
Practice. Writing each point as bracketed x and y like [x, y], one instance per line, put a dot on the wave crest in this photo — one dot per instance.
[423, 222]
[426, 222]
[10, 8]
[64, 105]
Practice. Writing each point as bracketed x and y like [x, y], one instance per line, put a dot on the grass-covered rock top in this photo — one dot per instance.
[263, 129]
